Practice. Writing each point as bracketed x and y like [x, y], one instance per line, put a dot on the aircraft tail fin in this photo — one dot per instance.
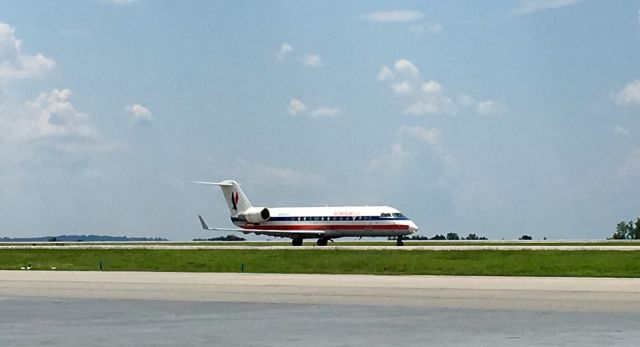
[236, 200]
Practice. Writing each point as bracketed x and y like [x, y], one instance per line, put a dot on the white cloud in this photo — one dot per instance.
[426, 98]
[432, 105]
[405, 67]
[529, 6]
[287, 177]
[139, 111]
[393, 16]
[432, 87]
[629, 95]
[385, 74]
[312, 60]
[415, 147]
[322, 112]
[402, 88]
[391, 162]
[490, 107]
[295, 107]
[619, 130]
[53, 115]
[50, 122]
[46, 125]
[141, 115]
[402, 69]
[430, 136]
[14, 64]
[284, 50]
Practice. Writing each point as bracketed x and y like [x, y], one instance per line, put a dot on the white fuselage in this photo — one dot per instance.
[345, 221]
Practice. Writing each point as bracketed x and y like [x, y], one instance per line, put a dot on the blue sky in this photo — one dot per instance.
[495, 118]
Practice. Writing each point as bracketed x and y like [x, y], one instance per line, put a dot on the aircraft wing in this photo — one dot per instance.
[269, 232]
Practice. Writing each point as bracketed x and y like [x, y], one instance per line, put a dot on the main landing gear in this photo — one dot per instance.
[323, 242]
[399, 241]
[296, 241]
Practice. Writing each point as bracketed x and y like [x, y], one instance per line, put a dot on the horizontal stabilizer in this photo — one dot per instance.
[226, 183]
[204, 225]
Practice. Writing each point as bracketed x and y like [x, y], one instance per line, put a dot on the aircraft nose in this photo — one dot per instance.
[413, 227]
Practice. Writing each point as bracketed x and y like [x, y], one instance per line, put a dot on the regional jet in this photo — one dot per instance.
[322, 223]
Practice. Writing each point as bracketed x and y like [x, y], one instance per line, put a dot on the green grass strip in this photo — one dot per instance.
[384, 262]
[635, 243]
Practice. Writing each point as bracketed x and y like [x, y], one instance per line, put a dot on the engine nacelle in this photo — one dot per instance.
[256, 215]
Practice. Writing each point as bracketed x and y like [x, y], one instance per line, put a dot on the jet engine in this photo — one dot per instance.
[256, 215]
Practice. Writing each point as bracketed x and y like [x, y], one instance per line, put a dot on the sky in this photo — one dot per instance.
[499, 118]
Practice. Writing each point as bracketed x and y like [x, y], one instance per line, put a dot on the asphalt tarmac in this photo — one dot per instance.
[151, 309]
[311, 245]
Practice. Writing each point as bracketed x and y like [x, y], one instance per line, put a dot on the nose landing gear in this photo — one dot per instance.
[296, 241]
[399, 241]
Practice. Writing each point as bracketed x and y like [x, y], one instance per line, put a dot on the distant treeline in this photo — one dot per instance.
[79, 238]
[223, 238]
[455, 236]
[449, 236]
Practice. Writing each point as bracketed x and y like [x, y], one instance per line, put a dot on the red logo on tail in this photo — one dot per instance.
[234, 200]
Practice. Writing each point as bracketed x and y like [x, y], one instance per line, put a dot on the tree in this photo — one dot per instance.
[623, 231]
[634, 232]
[418, 237]
[525, 237]
[473, 237]
[627, 230]
[439, 237]
[453, 236]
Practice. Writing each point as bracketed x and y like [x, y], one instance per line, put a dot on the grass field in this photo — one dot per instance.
[385, 262]
[311, 242]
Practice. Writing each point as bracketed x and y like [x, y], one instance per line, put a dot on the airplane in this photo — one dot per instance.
[299, 223]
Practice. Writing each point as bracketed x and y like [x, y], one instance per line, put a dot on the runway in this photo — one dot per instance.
[118, 308]
[406, 247]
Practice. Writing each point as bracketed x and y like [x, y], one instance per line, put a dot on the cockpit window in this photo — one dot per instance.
[385, 215]
[398, 215]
